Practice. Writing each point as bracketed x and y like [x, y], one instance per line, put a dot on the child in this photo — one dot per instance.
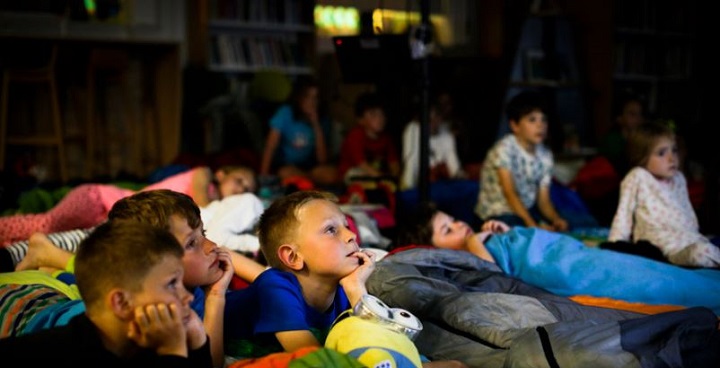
[295, 145]
[228, 218]
[516, 174]
[368, 150]
[444, 162]
[208, 269]
[629, 115]
[87, 205]
[562, 264]
[655, 204]
[317, 272]
[138, 311]
[598, 180]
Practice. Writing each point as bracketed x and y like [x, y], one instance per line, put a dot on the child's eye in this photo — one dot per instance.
[331, 230]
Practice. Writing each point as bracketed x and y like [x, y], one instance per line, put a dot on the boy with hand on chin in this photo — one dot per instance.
[138, 312]
[208, 269]
[317, 272]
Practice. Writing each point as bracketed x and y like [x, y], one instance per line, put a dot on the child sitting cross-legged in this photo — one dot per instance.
[138, 313]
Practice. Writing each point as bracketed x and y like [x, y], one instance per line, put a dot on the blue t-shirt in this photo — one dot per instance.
[297, 139]
[276, 305]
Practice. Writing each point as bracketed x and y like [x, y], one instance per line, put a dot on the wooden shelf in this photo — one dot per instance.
[32, 141]
[653, 55]
[244, 37]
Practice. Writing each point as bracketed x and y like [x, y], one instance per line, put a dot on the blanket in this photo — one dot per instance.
[565, 266]
[473, 312]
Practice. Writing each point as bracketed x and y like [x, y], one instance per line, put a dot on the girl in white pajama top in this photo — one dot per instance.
[655, 204]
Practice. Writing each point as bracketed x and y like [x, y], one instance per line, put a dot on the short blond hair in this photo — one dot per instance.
[279, 223]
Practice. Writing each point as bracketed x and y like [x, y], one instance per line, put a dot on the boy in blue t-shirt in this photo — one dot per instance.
[317, 271]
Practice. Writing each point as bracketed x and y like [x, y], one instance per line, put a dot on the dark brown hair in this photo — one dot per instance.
[416, 228]
[155, 207]
[120, 254]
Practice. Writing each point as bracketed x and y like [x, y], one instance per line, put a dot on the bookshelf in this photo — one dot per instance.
[653, 54]
[247, 36]
[545, 60]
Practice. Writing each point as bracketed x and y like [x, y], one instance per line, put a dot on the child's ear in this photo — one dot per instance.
[290, 257]
[121, 304]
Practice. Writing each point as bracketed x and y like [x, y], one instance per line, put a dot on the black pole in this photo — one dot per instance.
[425, 38]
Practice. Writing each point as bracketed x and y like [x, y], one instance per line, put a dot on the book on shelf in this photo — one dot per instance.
[255, 51]
[258, 11]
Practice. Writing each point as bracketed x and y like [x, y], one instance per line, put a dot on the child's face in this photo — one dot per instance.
[663, 162]
[435, 120]
[235, 182]
[324, 240]
[631, 116]
[201, 262]
[164, 284]
[309, 101]
[373, 120]
[449, 233]
[531, 129]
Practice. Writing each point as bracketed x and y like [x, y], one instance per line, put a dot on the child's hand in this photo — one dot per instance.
[366, 261]
[560, 224]
[159, 327]
[495, 227]
[221, 285]
[354, 283]
[196, 334]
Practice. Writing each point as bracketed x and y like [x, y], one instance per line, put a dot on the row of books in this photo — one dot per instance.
[255, 51]
[259, 11]
[671, 16]
[635, 57]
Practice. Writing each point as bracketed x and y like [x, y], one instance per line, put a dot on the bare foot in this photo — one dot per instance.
[43, 253]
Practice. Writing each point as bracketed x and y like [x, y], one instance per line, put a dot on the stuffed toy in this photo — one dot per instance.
[376, 335]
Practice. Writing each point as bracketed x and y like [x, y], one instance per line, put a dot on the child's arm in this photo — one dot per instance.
[410, 153]
[548, 210]
[320, 148]
[622, 223]
[293, 340]
[354, 283]
[273, 139]
[246, 268]
[201, 179]
[494, 227]
[508, 189]
[215, 308]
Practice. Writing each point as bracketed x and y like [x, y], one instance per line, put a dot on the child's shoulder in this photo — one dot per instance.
[276, 277]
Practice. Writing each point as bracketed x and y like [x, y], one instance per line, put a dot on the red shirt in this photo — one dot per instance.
[358, 147]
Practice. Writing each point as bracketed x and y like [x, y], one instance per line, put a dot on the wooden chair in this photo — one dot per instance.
[44, 74]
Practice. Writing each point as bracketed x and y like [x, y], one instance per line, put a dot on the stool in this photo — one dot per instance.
[38, 75]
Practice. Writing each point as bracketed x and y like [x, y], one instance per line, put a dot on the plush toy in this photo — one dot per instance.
[376, 335]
